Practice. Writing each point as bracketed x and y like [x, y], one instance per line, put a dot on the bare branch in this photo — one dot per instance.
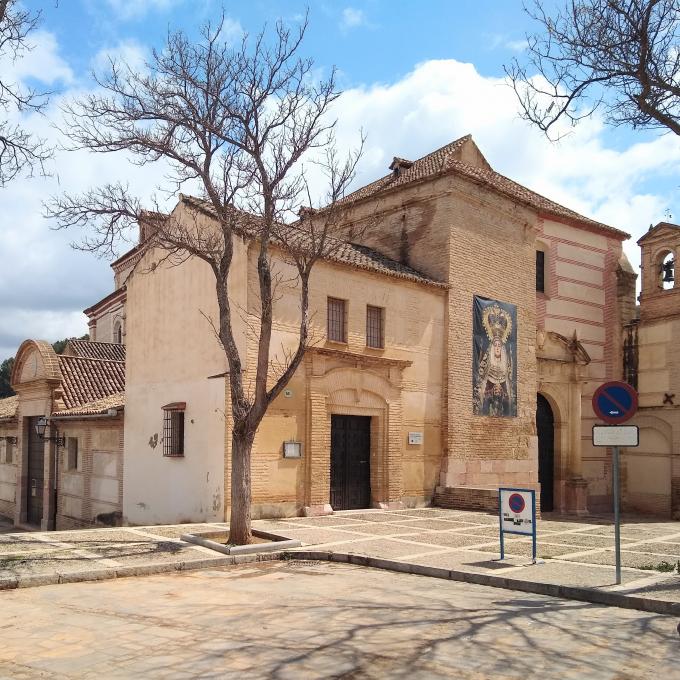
[20, 152]
[239, 121]
[617, 56]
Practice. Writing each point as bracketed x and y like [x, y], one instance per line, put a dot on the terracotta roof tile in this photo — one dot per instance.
[8, 407]
[85, 380]
[445, 160]
[352, 254]
[110, 351]
[93, 408]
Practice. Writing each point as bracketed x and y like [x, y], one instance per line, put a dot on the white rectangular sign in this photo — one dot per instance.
[616, 435]
[518, 515]
[415, 437]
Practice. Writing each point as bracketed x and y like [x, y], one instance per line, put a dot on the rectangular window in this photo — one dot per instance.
[374, 327]
[173, 430]
[72, 461]
[6, 452]
[337, 320]
[540, 271]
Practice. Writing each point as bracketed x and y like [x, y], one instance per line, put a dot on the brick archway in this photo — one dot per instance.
[356, 390]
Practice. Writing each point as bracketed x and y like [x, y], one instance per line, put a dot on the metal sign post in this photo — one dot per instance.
[615, 402]
[517, 515]
[617, 521]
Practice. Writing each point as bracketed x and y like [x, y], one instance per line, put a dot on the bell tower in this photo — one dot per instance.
[660, 292]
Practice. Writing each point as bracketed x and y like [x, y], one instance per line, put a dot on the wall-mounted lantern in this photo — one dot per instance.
[292, 449]
[40, 428]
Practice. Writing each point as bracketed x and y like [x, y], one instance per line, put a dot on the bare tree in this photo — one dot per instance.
[20, 151]
[618, 56]
[238, 121]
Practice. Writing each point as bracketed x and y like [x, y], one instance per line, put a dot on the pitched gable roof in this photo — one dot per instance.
[342, 252]
[86, 380]
[449, 159]
[100, 406]
[8, 407]
[661, 226]
[111, 351]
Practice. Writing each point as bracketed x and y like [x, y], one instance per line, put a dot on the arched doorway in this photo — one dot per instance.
[545, 428]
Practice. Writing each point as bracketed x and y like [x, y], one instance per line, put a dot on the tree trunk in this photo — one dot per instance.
[239, 521]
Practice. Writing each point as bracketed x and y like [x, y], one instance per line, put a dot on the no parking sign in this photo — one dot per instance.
[517, 514]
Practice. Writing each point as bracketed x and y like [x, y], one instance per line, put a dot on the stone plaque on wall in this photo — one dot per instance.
[494, 358]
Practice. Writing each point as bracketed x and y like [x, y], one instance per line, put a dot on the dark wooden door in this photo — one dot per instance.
[350, 462]
[36, 474]
[545, 428]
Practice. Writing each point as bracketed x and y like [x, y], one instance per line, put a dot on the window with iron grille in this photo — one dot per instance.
[374, 327]
[540, 271]
[173, 430]
[337, 320]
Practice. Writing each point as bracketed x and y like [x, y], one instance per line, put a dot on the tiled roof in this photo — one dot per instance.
[362, 257]
[424, 167]
[110, 351]
[8, 407]
[444, 160]
[352, 254]
[93, 408]
[85, 380]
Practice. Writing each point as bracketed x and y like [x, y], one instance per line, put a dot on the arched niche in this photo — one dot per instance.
[35, 360]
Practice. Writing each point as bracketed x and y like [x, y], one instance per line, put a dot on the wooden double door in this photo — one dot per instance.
[350, 462]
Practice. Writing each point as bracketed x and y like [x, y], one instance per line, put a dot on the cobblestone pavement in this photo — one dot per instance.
[297, 620]
[576, 552]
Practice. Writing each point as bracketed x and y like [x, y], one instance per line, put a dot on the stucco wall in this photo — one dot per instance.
[582, 296]
[171, 352]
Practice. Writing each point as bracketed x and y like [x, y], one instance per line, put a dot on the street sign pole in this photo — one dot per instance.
[617, 519]
[615, 402]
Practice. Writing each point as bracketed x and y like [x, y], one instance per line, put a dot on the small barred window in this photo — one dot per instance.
[374, 327]
[337, 320]
[173, 429]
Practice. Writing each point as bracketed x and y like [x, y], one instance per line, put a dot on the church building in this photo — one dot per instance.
[456, 349]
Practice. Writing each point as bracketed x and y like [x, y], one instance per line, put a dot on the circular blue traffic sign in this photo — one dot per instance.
[516, 502]
[615, 402]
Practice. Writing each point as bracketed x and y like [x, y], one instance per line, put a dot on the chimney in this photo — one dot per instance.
[399, 164]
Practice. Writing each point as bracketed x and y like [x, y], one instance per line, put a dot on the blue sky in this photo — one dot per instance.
[415, 75]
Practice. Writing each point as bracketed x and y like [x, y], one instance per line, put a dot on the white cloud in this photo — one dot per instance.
[352, 18]
[41, 62]
[440, 101]
[44, 284]
[127, 51]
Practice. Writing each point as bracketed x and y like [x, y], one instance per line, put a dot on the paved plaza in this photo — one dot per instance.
[299, 620]
[572, 552]
[577, 552]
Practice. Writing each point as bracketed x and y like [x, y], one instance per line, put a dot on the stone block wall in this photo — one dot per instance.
[8, 471]
[92, 494]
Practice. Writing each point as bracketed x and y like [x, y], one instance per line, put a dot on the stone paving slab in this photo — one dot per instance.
[571, 551]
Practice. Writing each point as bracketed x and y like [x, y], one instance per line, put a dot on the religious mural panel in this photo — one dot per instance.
[494, 370]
